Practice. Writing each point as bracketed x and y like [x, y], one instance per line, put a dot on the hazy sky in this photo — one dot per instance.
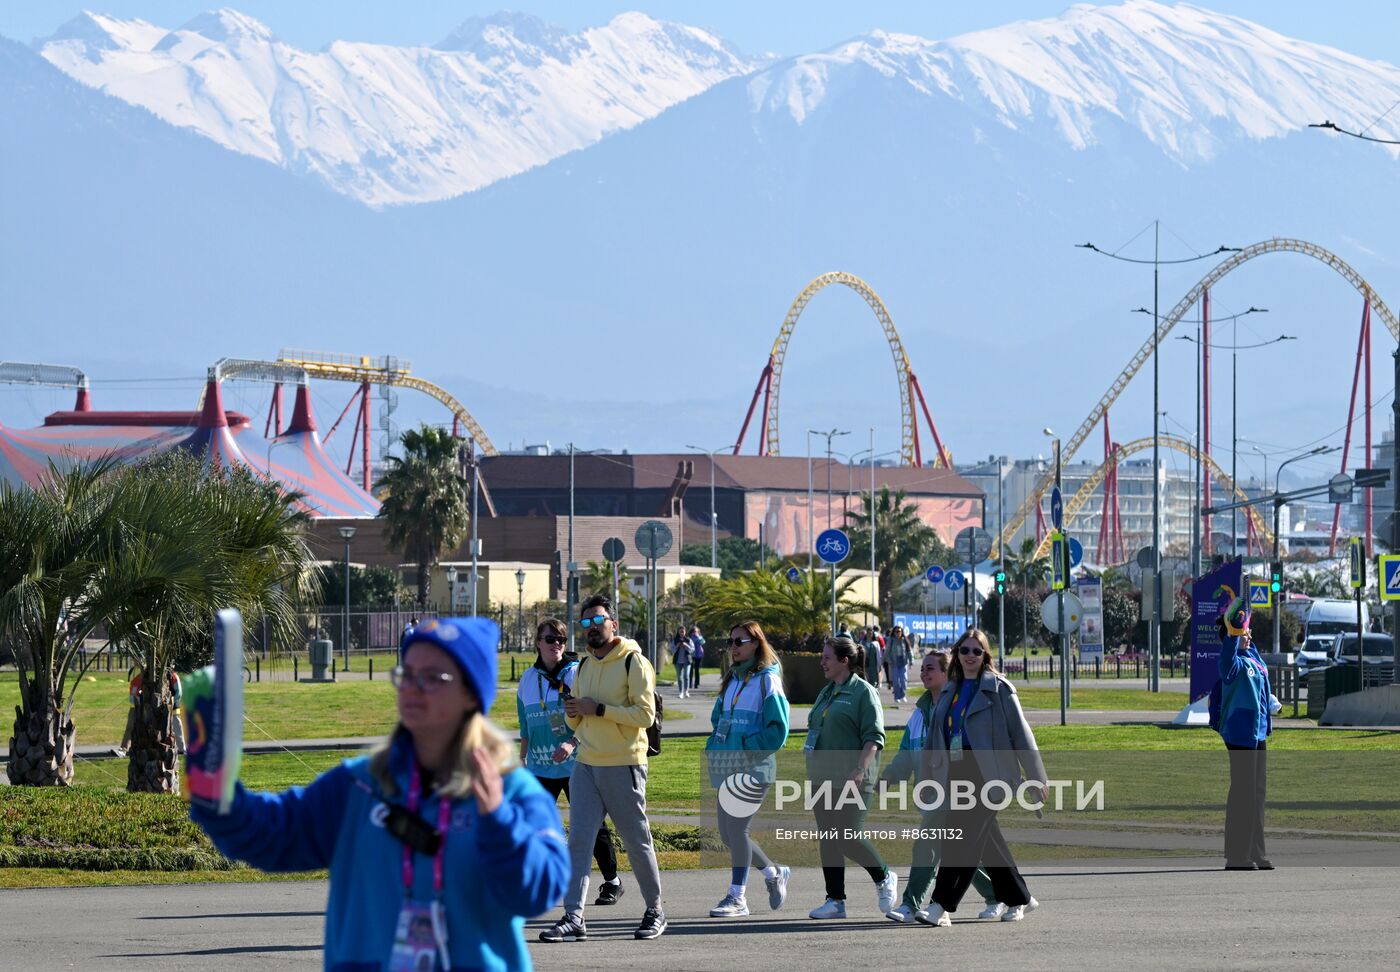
[1364, 27]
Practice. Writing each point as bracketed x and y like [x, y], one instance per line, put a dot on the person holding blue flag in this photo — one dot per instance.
[749, 723]
[548, 746]
[438, 845]
[1244, 722]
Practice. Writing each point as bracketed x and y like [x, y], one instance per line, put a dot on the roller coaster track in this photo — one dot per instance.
[1170, 320]
[770, 382]
[1121, 452]
[291, 365]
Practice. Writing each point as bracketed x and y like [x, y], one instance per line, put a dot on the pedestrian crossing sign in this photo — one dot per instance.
[1260, 594]
[1390, 577]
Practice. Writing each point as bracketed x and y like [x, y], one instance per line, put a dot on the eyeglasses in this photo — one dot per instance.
[736, 642]
[553, 639]
[969, 649]
[596, 621]
[429, 681]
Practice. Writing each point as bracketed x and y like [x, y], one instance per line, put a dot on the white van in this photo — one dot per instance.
[1323, 620]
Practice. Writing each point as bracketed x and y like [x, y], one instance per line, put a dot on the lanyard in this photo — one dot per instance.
[546, 683]
[415, 791]
[734, 701]
[831, 700]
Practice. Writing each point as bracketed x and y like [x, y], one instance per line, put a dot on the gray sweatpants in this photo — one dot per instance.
[620, 792]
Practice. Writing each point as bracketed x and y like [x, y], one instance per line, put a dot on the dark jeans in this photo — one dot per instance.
[695, 664]
[982, 843]
[837, 847]
[1244, 808]
[603, 851]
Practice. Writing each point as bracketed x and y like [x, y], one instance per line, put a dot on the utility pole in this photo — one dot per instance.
[1395, 506]
[476, 544]
[569, 567]
[1155, 631]
[1001, 527]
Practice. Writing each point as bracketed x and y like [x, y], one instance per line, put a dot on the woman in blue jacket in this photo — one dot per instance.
[438, 846]
[1245, 725]
[749, 723]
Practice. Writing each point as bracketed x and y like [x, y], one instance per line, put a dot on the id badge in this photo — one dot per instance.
[557, 725]
[955, 749]
[420, 941]
[722, 729]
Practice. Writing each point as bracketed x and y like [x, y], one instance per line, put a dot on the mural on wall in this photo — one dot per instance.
[783, 516]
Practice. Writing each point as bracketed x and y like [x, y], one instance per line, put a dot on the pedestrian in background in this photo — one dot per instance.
[682, 654]
[898, 654]
[697, 655]
[979, 735]
[1245, 725]
[870, 645]
[749, 724]
[548, 746]
[845, 733]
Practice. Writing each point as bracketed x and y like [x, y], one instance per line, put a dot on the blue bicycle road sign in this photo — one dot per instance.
[833, 546]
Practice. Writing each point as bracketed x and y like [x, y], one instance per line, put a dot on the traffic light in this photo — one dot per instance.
[1001, 582]
[1276, 576]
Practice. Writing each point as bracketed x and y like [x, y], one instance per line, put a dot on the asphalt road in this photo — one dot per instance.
[1186, 915]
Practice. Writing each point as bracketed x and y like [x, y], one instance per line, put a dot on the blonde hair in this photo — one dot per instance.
[988, 663]
[477, 732]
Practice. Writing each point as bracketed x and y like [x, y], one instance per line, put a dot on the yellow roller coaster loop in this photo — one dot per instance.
[901, 360]
[359, 369]
[1169, 321]
[1086, 491]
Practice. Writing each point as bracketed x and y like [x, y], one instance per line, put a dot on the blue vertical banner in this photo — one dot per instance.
[1209, 593]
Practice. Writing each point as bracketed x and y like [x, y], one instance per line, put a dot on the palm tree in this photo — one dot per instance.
[792, 613]
[904, 543]
[425, 505]
[1030, 571]
[48, 569]
[187, 545]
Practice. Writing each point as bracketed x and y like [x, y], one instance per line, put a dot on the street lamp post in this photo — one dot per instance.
[476, 543]
[1154, 631]
[520, 609]
[1060, 605]
[714, 516]
[346, 533]
[451, 572]
[1278, 505]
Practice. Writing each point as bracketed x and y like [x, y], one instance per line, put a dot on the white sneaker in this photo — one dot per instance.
[935, 916]
[831, 909]
[993, 911]
[777, 887]
[1032, 904]
[905, 914]
[1014, 913]
[118, 751]
[730, 907]
[887, 892]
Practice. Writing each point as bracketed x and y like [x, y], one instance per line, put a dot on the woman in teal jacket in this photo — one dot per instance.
[749, 723]
[1245, 725]
[438, 847]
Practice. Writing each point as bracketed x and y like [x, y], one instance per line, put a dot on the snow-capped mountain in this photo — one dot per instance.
[389, 125]
[1185, 77]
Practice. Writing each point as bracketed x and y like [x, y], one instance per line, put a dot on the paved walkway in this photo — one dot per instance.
[1126, 913]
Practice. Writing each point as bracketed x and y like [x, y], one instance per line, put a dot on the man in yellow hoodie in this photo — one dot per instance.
[610, 711]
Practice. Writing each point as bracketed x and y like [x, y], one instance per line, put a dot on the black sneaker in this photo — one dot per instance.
[609, 893]
[653, 924]
[570, 928]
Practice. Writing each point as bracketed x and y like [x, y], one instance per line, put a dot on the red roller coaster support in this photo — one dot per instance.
[761, 388]
[366, 431]
[274, 413]
[943, 456]
[1039, 524]
[343, 412]
[1366, 326]
[1204, 351]
[918, 446]
[1362, 345]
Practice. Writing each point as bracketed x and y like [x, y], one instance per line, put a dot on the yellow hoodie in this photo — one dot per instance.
[619, 736]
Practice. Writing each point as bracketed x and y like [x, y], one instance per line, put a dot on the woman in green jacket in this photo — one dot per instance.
[845, 733]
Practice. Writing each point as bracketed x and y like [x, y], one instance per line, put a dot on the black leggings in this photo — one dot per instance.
[982, 843]
[837, 847]
[603, 851]
[1244, 809]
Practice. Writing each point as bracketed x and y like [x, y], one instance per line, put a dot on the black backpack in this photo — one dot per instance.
[653, 730]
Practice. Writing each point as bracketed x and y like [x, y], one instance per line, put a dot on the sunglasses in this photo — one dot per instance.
[596, 621]
[736, 642]
[553, 639]
[969, 649]
[429, 681]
